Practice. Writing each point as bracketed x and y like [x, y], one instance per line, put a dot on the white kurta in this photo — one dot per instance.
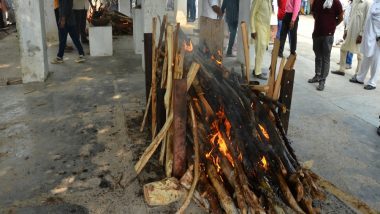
[260, 24]
[355, 25]
[370, 47]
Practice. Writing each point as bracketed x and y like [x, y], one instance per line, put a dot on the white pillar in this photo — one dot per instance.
[50, 22]
[244, 15]
[181, 12]
[138, 30]
[32, 37]
[125, 7]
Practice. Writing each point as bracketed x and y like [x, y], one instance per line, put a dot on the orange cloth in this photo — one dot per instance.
[56, 4]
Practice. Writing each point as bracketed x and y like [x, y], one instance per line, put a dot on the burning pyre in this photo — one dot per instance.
[235, 144]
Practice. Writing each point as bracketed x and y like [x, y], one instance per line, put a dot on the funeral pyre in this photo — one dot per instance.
[221, 144]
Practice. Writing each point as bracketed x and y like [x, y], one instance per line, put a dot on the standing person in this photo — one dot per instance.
[280, 17]
[346, 19]
[80, 9]
[327, 15]
[67, 26]
[370, 49]
[353, 34]
[290, 24]
[211, 26]
[231, 8]
[56, 11]
[260, 32]
[191, 10]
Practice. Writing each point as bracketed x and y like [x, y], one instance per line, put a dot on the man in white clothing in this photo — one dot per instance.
[370, 49]
[211, 26]
[353, 34]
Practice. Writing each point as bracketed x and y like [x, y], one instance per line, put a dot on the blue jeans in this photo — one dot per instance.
[191, 9]
[62, 33]
[349, 58]
[233, 29]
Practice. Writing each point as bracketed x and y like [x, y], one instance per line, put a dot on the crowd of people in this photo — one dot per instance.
[71, 18]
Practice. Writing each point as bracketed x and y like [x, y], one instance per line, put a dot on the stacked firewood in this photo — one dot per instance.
[222, 145]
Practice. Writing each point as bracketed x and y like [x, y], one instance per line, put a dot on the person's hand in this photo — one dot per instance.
[254, 35]
[291, 25]
[345, 35]
[359, 39]
[62, 22]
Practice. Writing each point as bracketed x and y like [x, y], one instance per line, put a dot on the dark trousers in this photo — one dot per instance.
[56, 13]
[2, 24]
[322, 49]
[285, 29]
[72, 31]
[80, 21]
[233, 29]
[191, 9]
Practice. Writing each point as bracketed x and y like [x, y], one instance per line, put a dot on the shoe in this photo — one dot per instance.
[57, 60]
[348, 67]
[80, 59]
[338, 72]
[369, 87]
[378, 131]
[229, 54]
[261, 76]
[321, 86]
[354, 80]
[313, 80]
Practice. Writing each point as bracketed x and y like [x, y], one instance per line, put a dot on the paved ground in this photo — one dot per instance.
[69, 144]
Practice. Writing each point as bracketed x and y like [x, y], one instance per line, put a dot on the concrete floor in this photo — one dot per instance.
[69, 144]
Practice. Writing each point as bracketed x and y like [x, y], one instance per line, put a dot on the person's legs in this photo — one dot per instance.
[293, 37]
[375, 68]
[77, 15]
[349, 58]
[279, 26]
[188, 9]
[364, 68]
[62, 34]
[75, 37]
[56, 13]
[2, 24]
[318, 58]
[326, 53]
[342, 61]
[284, 32]
[83, 22]
[260, 48]
[359, 56]
[193, 10]
[233, 28]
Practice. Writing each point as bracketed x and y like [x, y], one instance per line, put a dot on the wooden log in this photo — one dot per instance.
[163, 192]
[196, 161]
[277, 87]
[208, 192]
[193, 71]
[179, 129]
[154, 79]
[273, 65]
[162, 33]
[146, 111]
[153, 146]
[286, 95]
[288, 194]
[290, 63]
[297, 185]
[224, 199]
[246, 48]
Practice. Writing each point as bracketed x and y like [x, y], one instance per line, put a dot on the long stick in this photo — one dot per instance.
[153, 146]
[273, 65]
[154, 79]
[246, 49]
[277, 87]
[196, 161]
[146, 111]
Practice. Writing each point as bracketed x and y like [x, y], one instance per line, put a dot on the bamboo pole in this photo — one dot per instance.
[146, 111]
[154, 79]
[246, 49]
[277, 87]
[273, 66]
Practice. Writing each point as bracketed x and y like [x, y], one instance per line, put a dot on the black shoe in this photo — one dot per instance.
[261, 76]
[338, 73]
[229, 54]
[313, 80]
[321, 86]
[378, 131]
[369, 87]
[354, 80]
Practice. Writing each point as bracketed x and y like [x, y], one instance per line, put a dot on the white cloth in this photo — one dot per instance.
[356, 24]
[346, 17]
[207, 10]
[371, 30]
[80, 4]
[327, 4]
[370, 47]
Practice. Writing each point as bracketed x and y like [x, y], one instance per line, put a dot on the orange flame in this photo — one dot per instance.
[188, 46]
[264, 131]
[264, 163]
[218, 58]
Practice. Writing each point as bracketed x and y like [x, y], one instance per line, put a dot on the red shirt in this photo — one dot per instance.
[281, 9]
[325, 19]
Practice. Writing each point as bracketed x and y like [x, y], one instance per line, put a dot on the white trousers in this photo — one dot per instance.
[372, 63]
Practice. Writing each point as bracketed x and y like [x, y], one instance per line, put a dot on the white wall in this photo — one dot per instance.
[125, 7]
[50, 23]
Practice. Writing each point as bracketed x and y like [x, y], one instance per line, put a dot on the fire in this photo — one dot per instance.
[264, 131]
[264, 163]
[188, 46]
[218, 58]
[217, 141]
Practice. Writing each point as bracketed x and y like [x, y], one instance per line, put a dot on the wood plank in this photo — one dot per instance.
[246, 49]
[277, 87]
[286, 95]
[154, 79]
[273, 66]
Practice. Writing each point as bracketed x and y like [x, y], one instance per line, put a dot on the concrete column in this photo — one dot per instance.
[32, 36]
[181, 12]
[125, 7]
[244, 15]
[50, 23]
